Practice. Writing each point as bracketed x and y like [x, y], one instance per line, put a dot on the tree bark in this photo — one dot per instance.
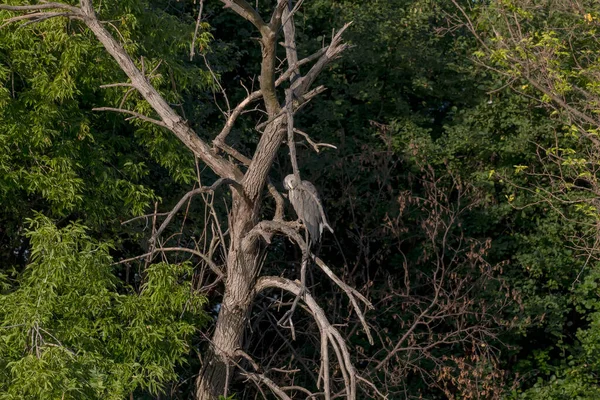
[228, 337]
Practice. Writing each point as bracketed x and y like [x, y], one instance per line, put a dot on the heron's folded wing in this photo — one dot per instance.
[312, 190]
[311, 215]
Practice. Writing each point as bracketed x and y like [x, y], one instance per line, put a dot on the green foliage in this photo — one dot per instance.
[548, 51]
[70, 327]
[433, 101]
[69, 330]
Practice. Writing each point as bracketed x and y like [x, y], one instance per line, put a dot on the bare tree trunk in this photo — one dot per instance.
[227, 339]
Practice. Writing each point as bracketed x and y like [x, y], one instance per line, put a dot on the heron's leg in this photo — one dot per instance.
[306, 257]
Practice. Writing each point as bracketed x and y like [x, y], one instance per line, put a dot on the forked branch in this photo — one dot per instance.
[266, 229]
[256, 95]
[246, 11]
[261, 379]
[190, 194]
[329, 335]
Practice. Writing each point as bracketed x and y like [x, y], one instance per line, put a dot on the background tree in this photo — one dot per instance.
[546, 51]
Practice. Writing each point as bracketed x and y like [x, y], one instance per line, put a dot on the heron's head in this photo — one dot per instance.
[290, 182]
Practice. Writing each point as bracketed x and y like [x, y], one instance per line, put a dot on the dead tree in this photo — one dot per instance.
[247, 177]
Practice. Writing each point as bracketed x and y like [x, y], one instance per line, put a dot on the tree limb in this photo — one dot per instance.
[312, 143]
[333, 51]
[329, 335]
[275, 22]
[260, 378]
[44, 6]
[193, 44]
[170, 118]
[246, 11]
[37, 17]
[266, 229]
[289, 32]
[254, 96]
[214, 267]
[352, 294]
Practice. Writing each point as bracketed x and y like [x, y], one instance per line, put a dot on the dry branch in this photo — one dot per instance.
[44, 6]
[191, 193]
[216, 269]
[312, 143]
[352, 294]
[36, 17]
[135, 114]
[329, 335]
[193, 44]
[260, 378]
[246, 11]
[266, 229]
[168, 116]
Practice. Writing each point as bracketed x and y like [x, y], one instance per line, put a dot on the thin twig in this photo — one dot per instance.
[314, 145]
[189, 194]
[193, 44]
[135, 114]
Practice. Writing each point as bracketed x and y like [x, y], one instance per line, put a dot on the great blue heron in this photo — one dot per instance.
[306, 202]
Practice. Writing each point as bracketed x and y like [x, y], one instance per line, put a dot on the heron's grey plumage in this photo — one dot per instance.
[307, 204]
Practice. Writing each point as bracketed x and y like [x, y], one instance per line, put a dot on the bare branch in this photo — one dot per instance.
[246, 11]
[44, 6]
[287, 317]
[279, 204]
[37, 17]
[266, 229]
[313, 144]
[221, 88]
[289, 97]
[214, 268]
[293, 11]
[333, 51]
[243, 354]
[289, 31]
[169, 117]
[121, 84]
[237, 111]
[275, 22]
[372, 386]
[189, 194]
[352, 294]
[234, 153]
[329, 335]
[135, 114]
[254, 96]
[299, 102]
[260, 378]
[193, 44]
[296, 388]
